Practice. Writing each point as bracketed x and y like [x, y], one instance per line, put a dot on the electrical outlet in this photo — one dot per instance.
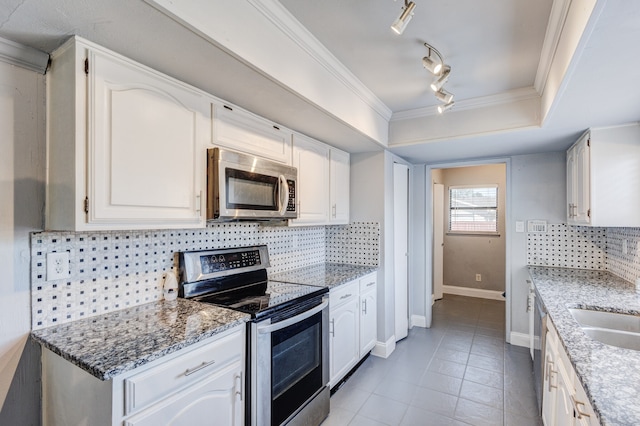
[478, 277]
[57, 265]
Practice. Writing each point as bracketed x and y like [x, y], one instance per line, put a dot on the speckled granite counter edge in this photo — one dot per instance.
[325, 274]
[607, 373]
[104, 367]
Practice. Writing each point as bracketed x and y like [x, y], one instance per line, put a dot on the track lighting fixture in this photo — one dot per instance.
[444, 96]
[442, 79]
[405, 16]
[433, 65]
[445, 107]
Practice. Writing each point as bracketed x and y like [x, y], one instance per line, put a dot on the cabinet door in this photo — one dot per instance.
[583, 184]
[549, 384]
[217, 401]
[368, 323]
[585, 416]
[240, 130]
[571, 184]
[311, 158]
[343, 345]
[563, 414]
[340, 182]
[146, 148]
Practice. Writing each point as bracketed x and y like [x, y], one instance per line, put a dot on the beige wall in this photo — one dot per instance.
[468, 255]
[22, 168]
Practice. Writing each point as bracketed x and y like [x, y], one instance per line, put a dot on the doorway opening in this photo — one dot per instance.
[469, 232]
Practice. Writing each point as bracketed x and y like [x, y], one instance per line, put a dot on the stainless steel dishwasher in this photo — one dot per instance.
[539, 332]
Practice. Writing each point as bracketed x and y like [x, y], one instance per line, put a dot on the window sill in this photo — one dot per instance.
[473, 234]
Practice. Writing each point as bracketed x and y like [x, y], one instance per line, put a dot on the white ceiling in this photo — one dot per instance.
[493, 46]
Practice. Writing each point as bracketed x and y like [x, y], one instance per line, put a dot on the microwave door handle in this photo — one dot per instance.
[284, 195]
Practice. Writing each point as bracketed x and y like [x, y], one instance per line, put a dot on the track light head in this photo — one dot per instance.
[442, 79]
[444, 96]
[405, 16]
[434, 67]
[445, 107]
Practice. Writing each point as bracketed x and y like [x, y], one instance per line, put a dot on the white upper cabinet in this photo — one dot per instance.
[340, 179]
[323, 182]
[243, 131]
[578, 182]
[127, 145]
[311, 158]
[603, 177]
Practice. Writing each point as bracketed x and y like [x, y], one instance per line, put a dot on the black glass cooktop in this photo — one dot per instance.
[265, 298]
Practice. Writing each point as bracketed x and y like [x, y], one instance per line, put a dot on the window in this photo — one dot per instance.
[473, 209]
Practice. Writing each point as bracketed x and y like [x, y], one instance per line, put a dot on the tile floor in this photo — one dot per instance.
[458, 372]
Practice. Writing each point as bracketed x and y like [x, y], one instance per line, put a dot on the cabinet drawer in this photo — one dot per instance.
[368, 283]
[343, 294]
[160, 381]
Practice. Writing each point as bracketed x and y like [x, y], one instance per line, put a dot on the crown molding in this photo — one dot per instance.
[23, 56]
[294, 30]
[557, 19]
[511, 96]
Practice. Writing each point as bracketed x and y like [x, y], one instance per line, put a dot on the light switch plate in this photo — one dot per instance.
[519, 226]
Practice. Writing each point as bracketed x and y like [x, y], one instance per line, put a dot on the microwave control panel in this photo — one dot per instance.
[291, 205]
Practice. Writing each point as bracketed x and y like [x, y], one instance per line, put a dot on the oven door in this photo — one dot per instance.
[289, 367]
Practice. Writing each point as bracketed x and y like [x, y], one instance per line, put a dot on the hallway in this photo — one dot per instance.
[458, 372]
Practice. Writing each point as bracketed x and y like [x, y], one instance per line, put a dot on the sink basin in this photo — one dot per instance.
[621, 330]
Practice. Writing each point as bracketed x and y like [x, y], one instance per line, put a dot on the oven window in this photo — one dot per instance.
[246, 190]
[296, 366]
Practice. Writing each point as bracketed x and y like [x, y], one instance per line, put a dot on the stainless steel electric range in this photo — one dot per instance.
[287, 339]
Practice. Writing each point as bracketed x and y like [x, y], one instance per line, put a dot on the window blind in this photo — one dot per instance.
[473, 209]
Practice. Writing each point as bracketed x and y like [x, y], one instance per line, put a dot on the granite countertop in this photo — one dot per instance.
[113, 343]
[610, 375]
[324, 274]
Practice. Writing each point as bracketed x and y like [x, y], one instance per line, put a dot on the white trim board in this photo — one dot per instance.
[23, 56]
[473, 292]
[519, 339]
[384, 349]
[418, 321]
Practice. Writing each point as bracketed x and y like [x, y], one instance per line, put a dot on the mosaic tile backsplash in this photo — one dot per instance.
[585, 247]
[118, 269]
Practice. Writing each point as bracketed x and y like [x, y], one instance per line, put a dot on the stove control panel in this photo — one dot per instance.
[211, 264]
[223, 262]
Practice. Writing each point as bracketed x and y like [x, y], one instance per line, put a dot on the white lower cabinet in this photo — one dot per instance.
[368, 313]
[564, 401]
[344, 329]
[199, 385]
[352, 325]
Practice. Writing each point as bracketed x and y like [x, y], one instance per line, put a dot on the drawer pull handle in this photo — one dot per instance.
[190, 371]
[346, 296]
[371, 283]
[576, 404]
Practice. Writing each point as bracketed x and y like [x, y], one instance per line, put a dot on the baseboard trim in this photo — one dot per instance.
[418, 321]
[473, 292]
[384, 349]
[519, 339]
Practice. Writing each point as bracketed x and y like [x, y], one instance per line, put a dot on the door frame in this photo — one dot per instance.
[508, 234]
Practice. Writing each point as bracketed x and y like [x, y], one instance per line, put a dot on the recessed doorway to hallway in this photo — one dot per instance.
[469, 232]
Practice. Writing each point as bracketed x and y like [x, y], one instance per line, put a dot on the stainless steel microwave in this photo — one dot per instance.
[245, 187]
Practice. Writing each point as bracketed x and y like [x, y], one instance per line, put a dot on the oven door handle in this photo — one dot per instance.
[263, 329]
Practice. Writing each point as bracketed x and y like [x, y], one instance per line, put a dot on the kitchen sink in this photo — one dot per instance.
[621, 330]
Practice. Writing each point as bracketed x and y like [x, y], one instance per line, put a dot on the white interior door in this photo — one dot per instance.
[438, 239]
[400, 248]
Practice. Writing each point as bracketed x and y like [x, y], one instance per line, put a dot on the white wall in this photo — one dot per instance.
[538, 191]
[22, 170]
[372, 200]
